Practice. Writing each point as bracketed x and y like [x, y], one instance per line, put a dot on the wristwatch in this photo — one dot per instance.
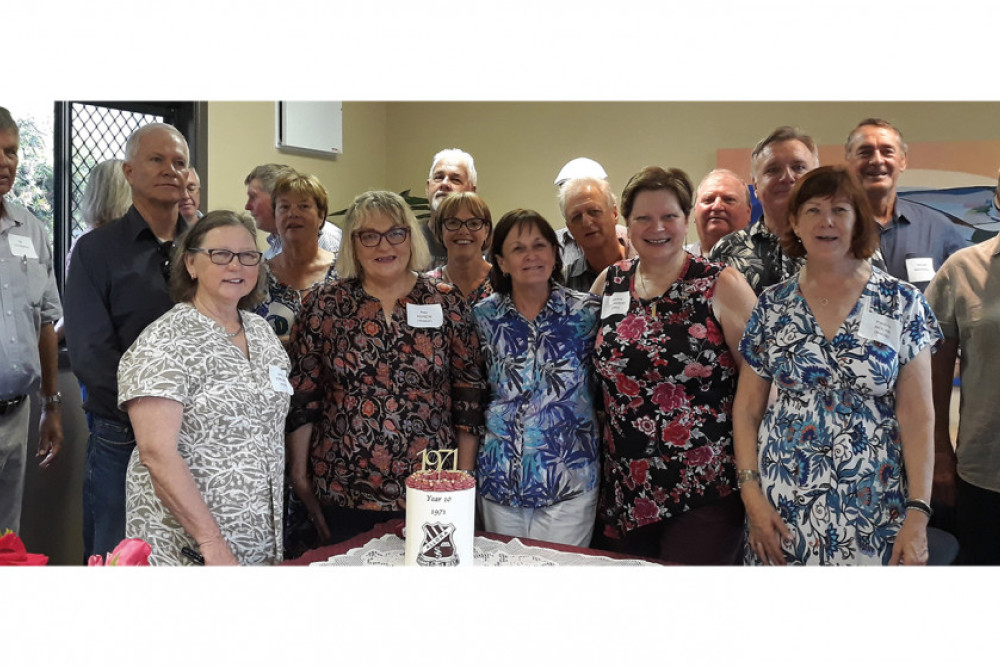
[744, 476]
[49, 401]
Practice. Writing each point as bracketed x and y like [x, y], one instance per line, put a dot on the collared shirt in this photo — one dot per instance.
[965, 297]
[577, 273]
[329, 239]
[541, 431]
[114, 290]
[28, 298]
[755, 252]
[914, 236]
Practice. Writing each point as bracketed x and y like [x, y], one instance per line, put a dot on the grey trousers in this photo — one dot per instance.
[13, 459]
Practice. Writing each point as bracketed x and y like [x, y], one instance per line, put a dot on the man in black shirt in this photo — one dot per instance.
[117, 285]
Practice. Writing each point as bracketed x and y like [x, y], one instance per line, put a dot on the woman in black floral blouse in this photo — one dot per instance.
[667, 358]
[385, 364]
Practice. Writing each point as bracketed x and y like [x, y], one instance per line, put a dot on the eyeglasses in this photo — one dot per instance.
[454, 224]
[224, 257]
[371, 239]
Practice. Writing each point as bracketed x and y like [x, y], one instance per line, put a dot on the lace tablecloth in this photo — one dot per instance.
[389, 550]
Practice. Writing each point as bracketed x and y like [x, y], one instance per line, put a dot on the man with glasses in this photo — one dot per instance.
[116, 286]
[452, 170]
[28, 355]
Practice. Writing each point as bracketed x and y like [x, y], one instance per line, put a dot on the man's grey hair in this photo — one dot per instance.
[7, 122]
[723, 172]
[457, 155]
[268, 175]
[197, 178]
[574, 185]
[874, 122]
[132, 145]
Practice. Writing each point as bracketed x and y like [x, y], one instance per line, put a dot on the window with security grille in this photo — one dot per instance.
[98, 133]
[87, 134]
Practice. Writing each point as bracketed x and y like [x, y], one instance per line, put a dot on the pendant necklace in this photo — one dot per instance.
[238, 329]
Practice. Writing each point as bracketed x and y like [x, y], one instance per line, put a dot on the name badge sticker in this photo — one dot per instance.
[426, 316]
[21, 246]
[615, 304]
[919, 269]
[881, 329]
[279, 380]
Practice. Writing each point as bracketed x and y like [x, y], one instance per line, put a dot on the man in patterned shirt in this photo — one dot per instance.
[776, 163]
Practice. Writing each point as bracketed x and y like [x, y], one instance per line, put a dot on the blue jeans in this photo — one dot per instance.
[108, 451]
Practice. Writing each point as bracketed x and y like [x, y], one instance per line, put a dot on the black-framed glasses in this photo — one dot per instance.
[454, 224]
[222, 257]
[370, 238]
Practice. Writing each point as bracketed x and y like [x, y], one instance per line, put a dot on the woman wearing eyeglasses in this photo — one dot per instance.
[300, 206]
[463, 225]
[205, 387]
[385, 364]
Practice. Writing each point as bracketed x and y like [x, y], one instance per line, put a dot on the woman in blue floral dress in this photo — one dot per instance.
[537, 469]
[838, 469]
[666, 355]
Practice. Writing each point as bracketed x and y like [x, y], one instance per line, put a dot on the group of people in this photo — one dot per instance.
[762, 396]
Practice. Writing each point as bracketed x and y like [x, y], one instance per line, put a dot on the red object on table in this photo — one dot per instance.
[396, 526]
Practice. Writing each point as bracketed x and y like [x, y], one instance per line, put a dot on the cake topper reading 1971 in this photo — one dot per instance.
[436, 460]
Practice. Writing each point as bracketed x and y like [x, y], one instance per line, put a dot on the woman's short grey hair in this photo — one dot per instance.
[107, 196]
[183, 287]
[392, 206]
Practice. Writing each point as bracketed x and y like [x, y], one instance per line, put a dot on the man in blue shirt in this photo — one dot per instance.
[916, 239]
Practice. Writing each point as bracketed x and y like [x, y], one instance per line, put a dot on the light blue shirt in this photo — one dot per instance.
[28, 298]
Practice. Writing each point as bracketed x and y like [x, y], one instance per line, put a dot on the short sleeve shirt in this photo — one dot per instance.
[231, 437]
[965, 296]
[541, 438]
[28, 298]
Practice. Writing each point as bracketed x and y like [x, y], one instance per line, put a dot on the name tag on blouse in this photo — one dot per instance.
[427, 316]
[21, 246]
[919, 269]
[279, 380]
[880, 329]
[615, 304]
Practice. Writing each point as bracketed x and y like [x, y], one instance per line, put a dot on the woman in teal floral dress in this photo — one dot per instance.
[838, 469]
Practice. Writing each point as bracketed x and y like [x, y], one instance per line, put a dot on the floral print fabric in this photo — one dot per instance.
[231, 437]
[484, 289]
[669, 381]
[829, 450]
[283, 302]
[379, 394]
[541, 437]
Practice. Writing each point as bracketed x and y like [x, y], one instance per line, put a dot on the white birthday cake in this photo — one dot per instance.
[440, 518]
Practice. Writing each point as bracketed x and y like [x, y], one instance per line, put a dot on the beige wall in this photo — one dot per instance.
[520, 146]
[241, 136]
